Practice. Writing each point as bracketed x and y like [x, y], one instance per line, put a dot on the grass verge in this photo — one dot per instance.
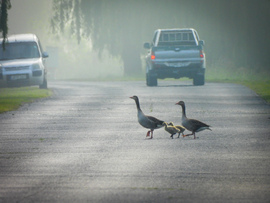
[255, 78]
[262, 88]
[13, 98]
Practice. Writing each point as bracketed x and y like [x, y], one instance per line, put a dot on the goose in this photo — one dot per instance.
[191, 124]
[148, 122]
[171, 129]
[180, 127]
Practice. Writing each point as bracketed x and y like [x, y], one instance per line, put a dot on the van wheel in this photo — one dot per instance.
[44, 85]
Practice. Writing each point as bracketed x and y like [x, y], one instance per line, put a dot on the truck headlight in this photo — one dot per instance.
[35, 66]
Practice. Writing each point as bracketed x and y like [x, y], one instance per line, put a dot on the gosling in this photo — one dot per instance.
[180, 127]
[171, 129]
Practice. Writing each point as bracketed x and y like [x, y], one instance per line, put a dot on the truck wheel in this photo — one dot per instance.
[198, 80]
[151, 80]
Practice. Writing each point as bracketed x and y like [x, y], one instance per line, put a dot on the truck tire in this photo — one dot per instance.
[198, 80]
[151, 80]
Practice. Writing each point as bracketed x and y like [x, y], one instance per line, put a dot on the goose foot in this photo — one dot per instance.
[172, 136]
[182, 135]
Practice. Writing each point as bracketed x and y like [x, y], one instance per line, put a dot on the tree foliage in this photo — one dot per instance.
[233, 30]
[5, 5]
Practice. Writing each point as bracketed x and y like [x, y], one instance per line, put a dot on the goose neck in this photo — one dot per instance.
[183, 111]
[138, 104]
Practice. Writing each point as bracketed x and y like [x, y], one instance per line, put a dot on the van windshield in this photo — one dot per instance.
[19, 50]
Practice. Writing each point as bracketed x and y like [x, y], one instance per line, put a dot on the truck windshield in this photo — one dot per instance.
[19, 50]
[174, 38]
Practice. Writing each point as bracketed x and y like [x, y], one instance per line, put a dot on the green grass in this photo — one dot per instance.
[13, 98]
[255, 78]
[262, 88]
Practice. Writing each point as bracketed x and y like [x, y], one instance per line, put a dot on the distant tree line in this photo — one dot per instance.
[233, 30]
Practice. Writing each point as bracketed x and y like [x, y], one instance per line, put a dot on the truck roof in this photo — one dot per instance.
[176, 29]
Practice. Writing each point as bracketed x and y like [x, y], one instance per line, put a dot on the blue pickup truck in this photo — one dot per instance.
[175, 53]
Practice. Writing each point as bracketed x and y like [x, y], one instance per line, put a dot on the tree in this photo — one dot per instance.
[92, 19]
[5, 5]
[120, 26]
[233, 30]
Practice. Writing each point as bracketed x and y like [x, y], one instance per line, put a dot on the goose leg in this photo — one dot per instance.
[148, 133]
[151, 134]
[189, 135]
[172, 136]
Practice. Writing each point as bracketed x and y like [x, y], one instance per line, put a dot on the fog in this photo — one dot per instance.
[67, 59]
[236, 34]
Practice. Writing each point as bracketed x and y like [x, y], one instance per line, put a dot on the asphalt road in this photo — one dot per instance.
[84, 144]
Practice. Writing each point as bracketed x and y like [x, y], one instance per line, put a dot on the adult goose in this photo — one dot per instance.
[179, 127]
[191, 124]
[171, 129]
[148, 122]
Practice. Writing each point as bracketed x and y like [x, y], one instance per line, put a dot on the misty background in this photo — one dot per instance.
[99, 39]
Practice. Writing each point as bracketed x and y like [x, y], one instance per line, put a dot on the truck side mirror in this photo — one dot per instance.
[146, 45]
[201, 42]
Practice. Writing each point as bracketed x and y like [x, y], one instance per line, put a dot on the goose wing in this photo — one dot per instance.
[156, 122]
[197, 126]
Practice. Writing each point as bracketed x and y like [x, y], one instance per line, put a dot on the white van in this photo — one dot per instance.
[22, 62]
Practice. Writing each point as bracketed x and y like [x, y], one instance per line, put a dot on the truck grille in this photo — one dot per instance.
[17, 68]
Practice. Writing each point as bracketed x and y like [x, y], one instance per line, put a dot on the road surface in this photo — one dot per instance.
[84, 144]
